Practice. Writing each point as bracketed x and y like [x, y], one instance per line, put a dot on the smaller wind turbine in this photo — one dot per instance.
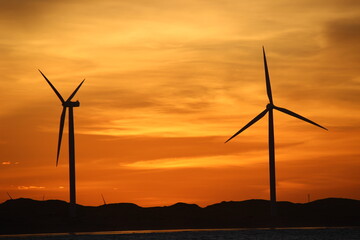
[102, 196]
[68, 104]
[9, 196]
[269, 109]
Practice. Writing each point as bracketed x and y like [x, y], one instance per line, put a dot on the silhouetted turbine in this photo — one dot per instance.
[103, 199]
[9, 196]
[269, 109]
[70, 105]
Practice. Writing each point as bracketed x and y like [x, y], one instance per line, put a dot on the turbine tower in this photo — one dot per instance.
[68, 104]
[269, 109]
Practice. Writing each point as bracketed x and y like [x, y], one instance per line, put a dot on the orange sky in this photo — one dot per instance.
[167, 82]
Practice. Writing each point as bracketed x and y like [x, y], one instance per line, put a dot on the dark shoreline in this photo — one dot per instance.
[27, 216]
[127, 232]
[196, 234]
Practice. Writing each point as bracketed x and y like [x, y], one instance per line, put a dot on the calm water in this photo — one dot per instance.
[220, 234]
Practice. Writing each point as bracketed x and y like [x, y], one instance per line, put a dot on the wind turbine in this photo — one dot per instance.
[269, 109]
[103, 199]
[68, 104]
[9, 195]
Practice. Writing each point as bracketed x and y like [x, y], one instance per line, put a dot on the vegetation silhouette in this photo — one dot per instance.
[269, 109]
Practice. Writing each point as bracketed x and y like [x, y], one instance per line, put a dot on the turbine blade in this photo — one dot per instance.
[257, 118]
[62, 121]
[52, 86]
[73, 94]
[298, 116]
[267, 77]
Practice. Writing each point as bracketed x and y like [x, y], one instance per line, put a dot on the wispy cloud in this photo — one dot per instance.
[203, 162]
[30, 187]
[9, 163]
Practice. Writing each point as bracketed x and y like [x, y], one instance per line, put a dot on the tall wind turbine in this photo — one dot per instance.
[68, 104]
[269, 109]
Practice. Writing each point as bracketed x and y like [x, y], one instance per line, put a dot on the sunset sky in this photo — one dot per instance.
[167, 83]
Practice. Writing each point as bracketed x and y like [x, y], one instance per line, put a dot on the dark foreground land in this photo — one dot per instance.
[31, 216]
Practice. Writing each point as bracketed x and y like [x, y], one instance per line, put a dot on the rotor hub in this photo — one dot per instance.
[270, 106]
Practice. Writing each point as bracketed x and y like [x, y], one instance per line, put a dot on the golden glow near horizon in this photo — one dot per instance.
[167, 82]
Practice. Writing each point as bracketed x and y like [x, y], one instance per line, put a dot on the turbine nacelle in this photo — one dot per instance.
[71, 104]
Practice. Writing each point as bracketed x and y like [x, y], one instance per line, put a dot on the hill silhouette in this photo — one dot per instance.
[31, 216]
